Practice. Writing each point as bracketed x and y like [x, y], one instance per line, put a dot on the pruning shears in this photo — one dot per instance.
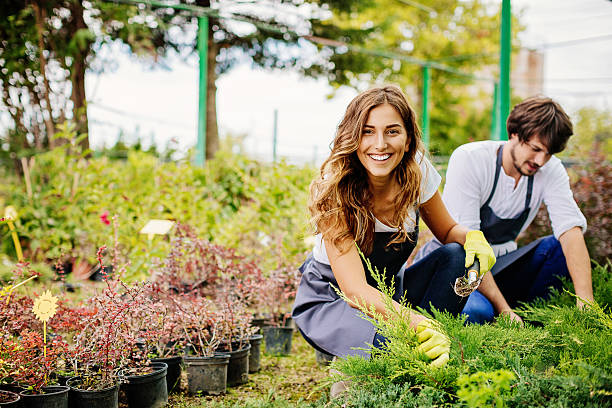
[473, 271]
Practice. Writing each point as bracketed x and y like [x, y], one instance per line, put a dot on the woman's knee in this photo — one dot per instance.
[453, 256]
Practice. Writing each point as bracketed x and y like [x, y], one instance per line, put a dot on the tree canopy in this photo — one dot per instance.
[46, 47]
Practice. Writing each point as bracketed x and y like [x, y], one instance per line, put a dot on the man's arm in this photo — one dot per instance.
[578, 263]
[491, 291]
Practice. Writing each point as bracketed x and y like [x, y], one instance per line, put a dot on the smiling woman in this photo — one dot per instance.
[371, 191]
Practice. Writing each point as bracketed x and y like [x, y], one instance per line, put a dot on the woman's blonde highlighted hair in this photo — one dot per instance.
[340, 198]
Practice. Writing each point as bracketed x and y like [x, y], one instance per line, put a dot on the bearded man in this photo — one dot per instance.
[498, 187]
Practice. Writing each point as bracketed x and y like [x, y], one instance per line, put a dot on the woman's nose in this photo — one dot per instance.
[380, 143]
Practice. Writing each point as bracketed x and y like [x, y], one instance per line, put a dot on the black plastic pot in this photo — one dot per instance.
[206, 374]
[259, 322]
[278, 340]
[14, 399]
[173, 377]
[255, 354]
[104, 398]
[61, 378]
[323, 358]
[238, 367]
[148, 390]
[53, 397]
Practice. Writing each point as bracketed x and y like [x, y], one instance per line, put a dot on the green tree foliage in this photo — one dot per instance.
[463, 35]
[592, 132]
[45, 49]
[47, 46]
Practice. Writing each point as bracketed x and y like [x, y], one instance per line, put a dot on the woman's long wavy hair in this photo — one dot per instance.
[340, 198]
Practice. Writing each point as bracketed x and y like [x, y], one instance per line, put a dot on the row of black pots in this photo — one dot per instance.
[142, 391]
[205, 374]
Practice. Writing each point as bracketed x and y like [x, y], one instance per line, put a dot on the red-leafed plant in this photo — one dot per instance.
[29, 364]
[277, 293]
[199, 322]
[592, 188]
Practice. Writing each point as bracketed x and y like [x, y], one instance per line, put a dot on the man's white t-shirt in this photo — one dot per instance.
[469, 181]
[430, 182]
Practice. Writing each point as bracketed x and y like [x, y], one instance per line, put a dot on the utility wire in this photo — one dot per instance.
[204, 11]
[605, 37]
[138, 116]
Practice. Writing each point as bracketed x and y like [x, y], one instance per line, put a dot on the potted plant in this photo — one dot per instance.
[9, 391]
[206, 369]
[235, 331]
[277, 293]
[109, 349]
[32, 368]
[165, 337]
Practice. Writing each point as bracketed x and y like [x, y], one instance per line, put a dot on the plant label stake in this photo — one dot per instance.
[157, 227]
[10, 214]
[44, 308]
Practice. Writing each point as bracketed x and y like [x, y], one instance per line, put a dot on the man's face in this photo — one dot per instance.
[528, 156]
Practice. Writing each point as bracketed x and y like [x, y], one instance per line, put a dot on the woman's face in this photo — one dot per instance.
[384, 141]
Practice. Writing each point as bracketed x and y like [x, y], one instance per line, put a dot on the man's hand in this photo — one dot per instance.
[512, 316]
[477, 245]
[434, 343]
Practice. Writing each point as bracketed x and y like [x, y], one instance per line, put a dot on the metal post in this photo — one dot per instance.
[425, 112]
[200, 156]
[504, 69]
[495, 113]
[274, 135]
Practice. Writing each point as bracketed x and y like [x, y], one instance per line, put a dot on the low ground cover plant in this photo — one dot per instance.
[560, 358]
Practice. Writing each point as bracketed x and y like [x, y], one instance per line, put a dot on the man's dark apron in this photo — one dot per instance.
[495, 229]
[500, 230]
[327, 321]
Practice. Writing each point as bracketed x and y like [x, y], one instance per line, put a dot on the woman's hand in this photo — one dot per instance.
[476, 245]
[434, 342]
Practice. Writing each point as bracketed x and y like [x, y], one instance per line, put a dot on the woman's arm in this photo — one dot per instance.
[440, 222]
[350, 275]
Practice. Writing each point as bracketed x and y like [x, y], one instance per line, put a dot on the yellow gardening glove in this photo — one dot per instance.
[476, 245]
[434, 343]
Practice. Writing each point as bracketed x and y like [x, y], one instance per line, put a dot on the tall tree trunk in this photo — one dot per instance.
[39, 14]
[212, 131]
[77, 76]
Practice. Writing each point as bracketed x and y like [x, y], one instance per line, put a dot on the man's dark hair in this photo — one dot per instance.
[543, 117]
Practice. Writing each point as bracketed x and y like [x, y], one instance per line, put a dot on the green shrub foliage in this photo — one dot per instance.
[257, 208]
[561, 358]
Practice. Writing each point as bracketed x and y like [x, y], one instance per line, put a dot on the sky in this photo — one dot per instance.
[161, 105]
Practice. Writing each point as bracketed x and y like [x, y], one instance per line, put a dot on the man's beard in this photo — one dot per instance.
[517, 167]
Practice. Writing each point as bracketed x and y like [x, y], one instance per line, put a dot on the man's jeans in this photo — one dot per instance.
[528, 278]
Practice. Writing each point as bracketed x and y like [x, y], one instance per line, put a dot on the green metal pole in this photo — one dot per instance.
[200, 156]
[275, 135]
[504, 69]
[495, 113]
[425, 112]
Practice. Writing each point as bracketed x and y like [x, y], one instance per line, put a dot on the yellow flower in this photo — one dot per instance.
[45, 306]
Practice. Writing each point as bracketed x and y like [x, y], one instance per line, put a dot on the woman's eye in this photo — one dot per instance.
[367, 131]
[393, 131]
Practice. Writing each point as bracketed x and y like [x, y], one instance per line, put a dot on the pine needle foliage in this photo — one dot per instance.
[561, 357]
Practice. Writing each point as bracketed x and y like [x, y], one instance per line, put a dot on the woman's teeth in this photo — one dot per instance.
[380, 157]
